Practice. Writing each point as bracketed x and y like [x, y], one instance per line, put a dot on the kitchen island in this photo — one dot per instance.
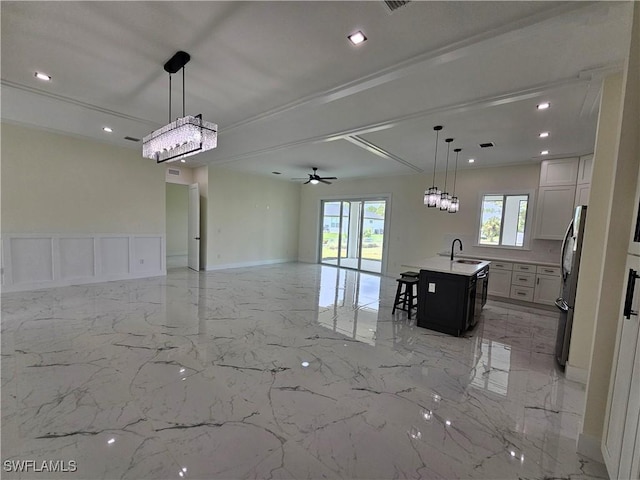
[450, 293]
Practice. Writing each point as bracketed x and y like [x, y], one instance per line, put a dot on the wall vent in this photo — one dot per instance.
[132, 139]
[487, 145]
[393, 5]
[173, 171]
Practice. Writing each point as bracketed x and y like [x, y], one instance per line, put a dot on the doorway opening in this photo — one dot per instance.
[177, 201]
[353, 233]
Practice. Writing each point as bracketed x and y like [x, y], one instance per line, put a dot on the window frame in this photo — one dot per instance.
[528, 222]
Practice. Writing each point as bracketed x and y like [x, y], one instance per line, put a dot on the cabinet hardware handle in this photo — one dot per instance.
[537, 281]
[631, 284]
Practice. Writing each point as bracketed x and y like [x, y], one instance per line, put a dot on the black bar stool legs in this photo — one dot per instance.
[406, 294]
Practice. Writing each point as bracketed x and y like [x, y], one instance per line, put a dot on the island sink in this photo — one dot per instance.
[450, 293]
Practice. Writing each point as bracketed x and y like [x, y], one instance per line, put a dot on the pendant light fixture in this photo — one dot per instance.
[445, 198]
[432, 195]
[454, 204]
[187, 135]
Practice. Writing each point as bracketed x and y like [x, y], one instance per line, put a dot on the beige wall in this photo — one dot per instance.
[185, 174]
[621, 99]
[251, 219]
[177, 202]
[58, 184]
[417, 232]
[598, 218]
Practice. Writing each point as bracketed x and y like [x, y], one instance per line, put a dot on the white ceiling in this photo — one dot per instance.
[289, 92]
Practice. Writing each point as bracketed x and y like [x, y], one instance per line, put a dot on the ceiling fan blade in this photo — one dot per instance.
[323, 181]
[329, 178]
[306, 181]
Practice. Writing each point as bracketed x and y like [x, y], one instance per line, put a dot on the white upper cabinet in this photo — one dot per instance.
[554, 210]
[564, 184]
[560, 171]
[585, 168]
[582, 194]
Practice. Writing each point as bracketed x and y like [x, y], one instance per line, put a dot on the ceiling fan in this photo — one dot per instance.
[314, 178]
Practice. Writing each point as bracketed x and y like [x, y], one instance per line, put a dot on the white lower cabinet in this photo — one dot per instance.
[548, 283]
[525, 281]
[499, 282]
[522, 293]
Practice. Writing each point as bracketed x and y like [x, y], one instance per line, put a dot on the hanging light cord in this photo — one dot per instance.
[435, 159]
[183, 89]
[446, 171]
[455, 172]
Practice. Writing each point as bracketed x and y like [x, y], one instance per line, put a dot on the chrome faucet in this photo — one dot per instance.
[453, 244]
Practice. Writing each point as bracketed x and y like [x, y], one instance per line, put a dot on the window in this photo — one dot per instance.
[503, 220]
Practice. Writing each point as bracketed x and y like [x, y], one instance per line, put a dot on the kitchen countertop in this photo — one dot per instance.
[441, 264]
[502, 259]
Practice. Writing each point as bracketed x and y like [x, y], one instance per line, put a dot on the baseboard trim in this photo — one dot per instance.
[589, 446]
[256, 263]
[78, 281]
[576, 374]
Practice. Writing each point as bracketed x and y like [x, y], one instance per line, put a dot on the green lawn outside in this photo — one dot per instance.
[372, 246]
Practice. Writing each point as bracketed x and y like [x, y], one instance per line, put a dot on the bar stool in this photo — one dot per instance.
[409, 275]
[406, 295]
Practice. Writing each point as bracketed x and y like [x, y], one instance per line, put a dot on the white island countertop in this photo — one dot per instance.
[444, 265]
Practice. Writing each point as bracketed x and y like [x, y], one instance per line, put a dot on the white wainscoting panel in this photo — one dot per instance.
[147, 254]
[77, 257]
[114, 256]
[32, 261]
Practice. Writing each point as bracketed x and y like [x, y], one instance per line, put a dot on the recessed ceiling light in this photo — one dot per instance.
[357, 38]
[183, 161]
[544, 134]
[43, 76]
[543, 106]
[107, 129]
[471, 160]
[544, 152]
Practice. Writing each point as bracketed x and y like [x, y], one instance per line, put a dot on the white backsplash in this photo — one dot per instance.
[539, 250]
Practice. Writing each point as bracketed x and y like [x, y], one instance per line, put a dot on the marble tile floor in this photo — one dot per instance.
[286, 371]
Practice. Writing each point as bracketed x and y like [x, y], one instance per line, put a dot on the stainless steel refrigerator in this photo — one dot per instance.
[570, 264]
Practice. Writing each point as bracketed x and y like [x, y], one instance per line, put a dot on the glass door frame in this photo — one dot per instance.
[355, 198]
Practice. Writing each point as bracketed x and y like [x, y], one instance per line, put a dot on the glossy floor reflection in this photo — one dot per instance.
[287, 371]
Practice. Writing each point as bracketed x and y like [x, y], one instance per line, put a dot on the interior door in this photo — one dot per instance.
[622, 426]
[194, 228]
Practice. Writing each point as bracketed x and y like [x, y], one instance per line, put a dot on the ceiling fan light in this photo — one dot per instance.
[314, 181]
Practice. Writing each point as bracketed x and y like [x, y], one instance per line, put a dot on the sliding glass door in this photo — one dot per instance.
[352, 233]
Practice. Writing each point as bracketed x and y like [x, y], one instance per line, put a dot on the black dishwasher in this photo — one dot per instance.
[482, 286]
